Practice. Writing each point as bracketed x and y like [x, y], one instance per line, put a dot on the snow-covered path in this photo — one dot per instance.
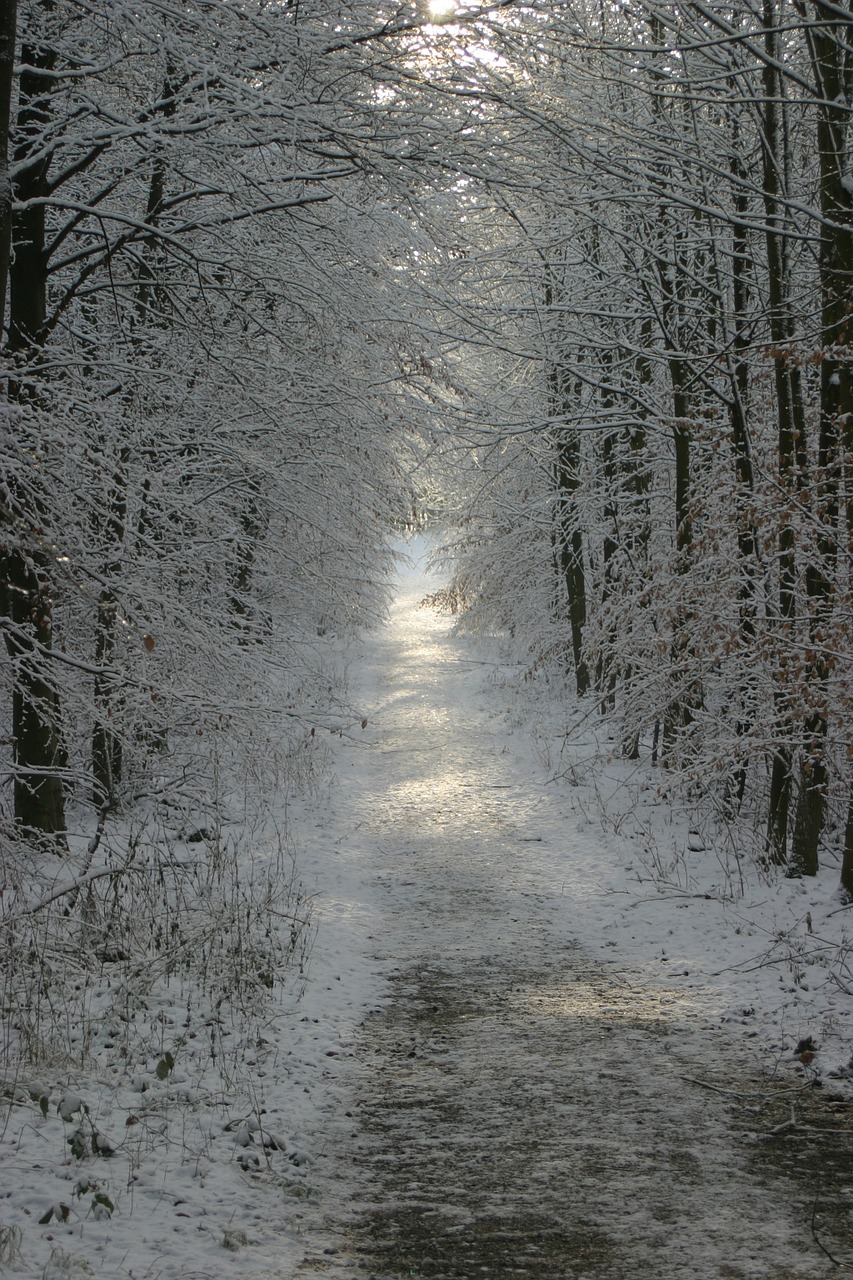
[520, 1106]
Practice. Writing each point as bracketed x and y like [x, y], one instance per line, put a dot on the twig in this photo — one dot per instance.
[746, 967]
[835, 978]
[817, 1239]
[760, 1094]
[74, 887]
[677, 896]
[785, 1127]
[91, 850]
[791, 1126]
[705, 1084]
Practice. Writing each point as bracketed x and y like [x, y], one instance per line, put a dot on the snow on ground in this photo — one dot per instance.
[180, 1144]
[541, 1093]
[650, 881]
[207, 1150]
[678, 894]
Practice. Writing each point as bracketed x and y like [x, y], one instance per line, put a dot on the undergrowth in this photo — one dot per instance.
[142, 975]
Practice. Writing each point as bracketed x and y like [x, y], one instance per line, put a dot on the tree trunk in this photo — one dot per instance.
[847, 860]
[26, 563]
[38, 749]
[679, 712]
[568, 538]
[747, 536]
[8, 42]
[570, 547]
[830, 57]
[253, 524]
[107, 748]
[107, 752]
[790, 413]
[605, 673]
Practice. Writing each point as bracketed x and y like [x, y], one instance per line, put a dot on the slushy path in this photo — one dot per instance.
[520, 1108]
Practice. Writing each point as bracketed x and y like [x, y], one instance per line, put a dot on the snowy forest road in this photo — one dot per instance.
[520, 1107]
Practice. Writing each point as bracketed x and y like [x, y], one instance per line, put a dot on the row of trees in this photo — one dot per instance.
[661, 260]
[212, 396]
[215, 403]
[636, 256]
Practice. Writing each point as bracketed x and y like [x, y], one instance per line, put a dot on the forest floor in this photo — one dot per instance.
[553, 1025]
[583, 1062]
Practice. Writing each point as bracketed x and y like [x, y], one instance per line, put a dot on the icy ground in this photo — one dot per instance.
[552, 1086]
[547, 1031]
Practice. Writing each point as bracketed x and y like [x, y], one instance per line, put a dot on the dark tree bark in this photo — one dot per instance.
[847, 858]
[8, 43]
[568, 536]
[107, 752]
[253, 524]
[107, 746]
[679, 713]
[738, 371]
[831, 60]
[569, 539]
[790, 411]
[26, 561]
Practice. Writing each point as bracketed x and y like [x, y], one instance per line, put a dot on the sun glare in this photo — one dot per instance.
[441, 8]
